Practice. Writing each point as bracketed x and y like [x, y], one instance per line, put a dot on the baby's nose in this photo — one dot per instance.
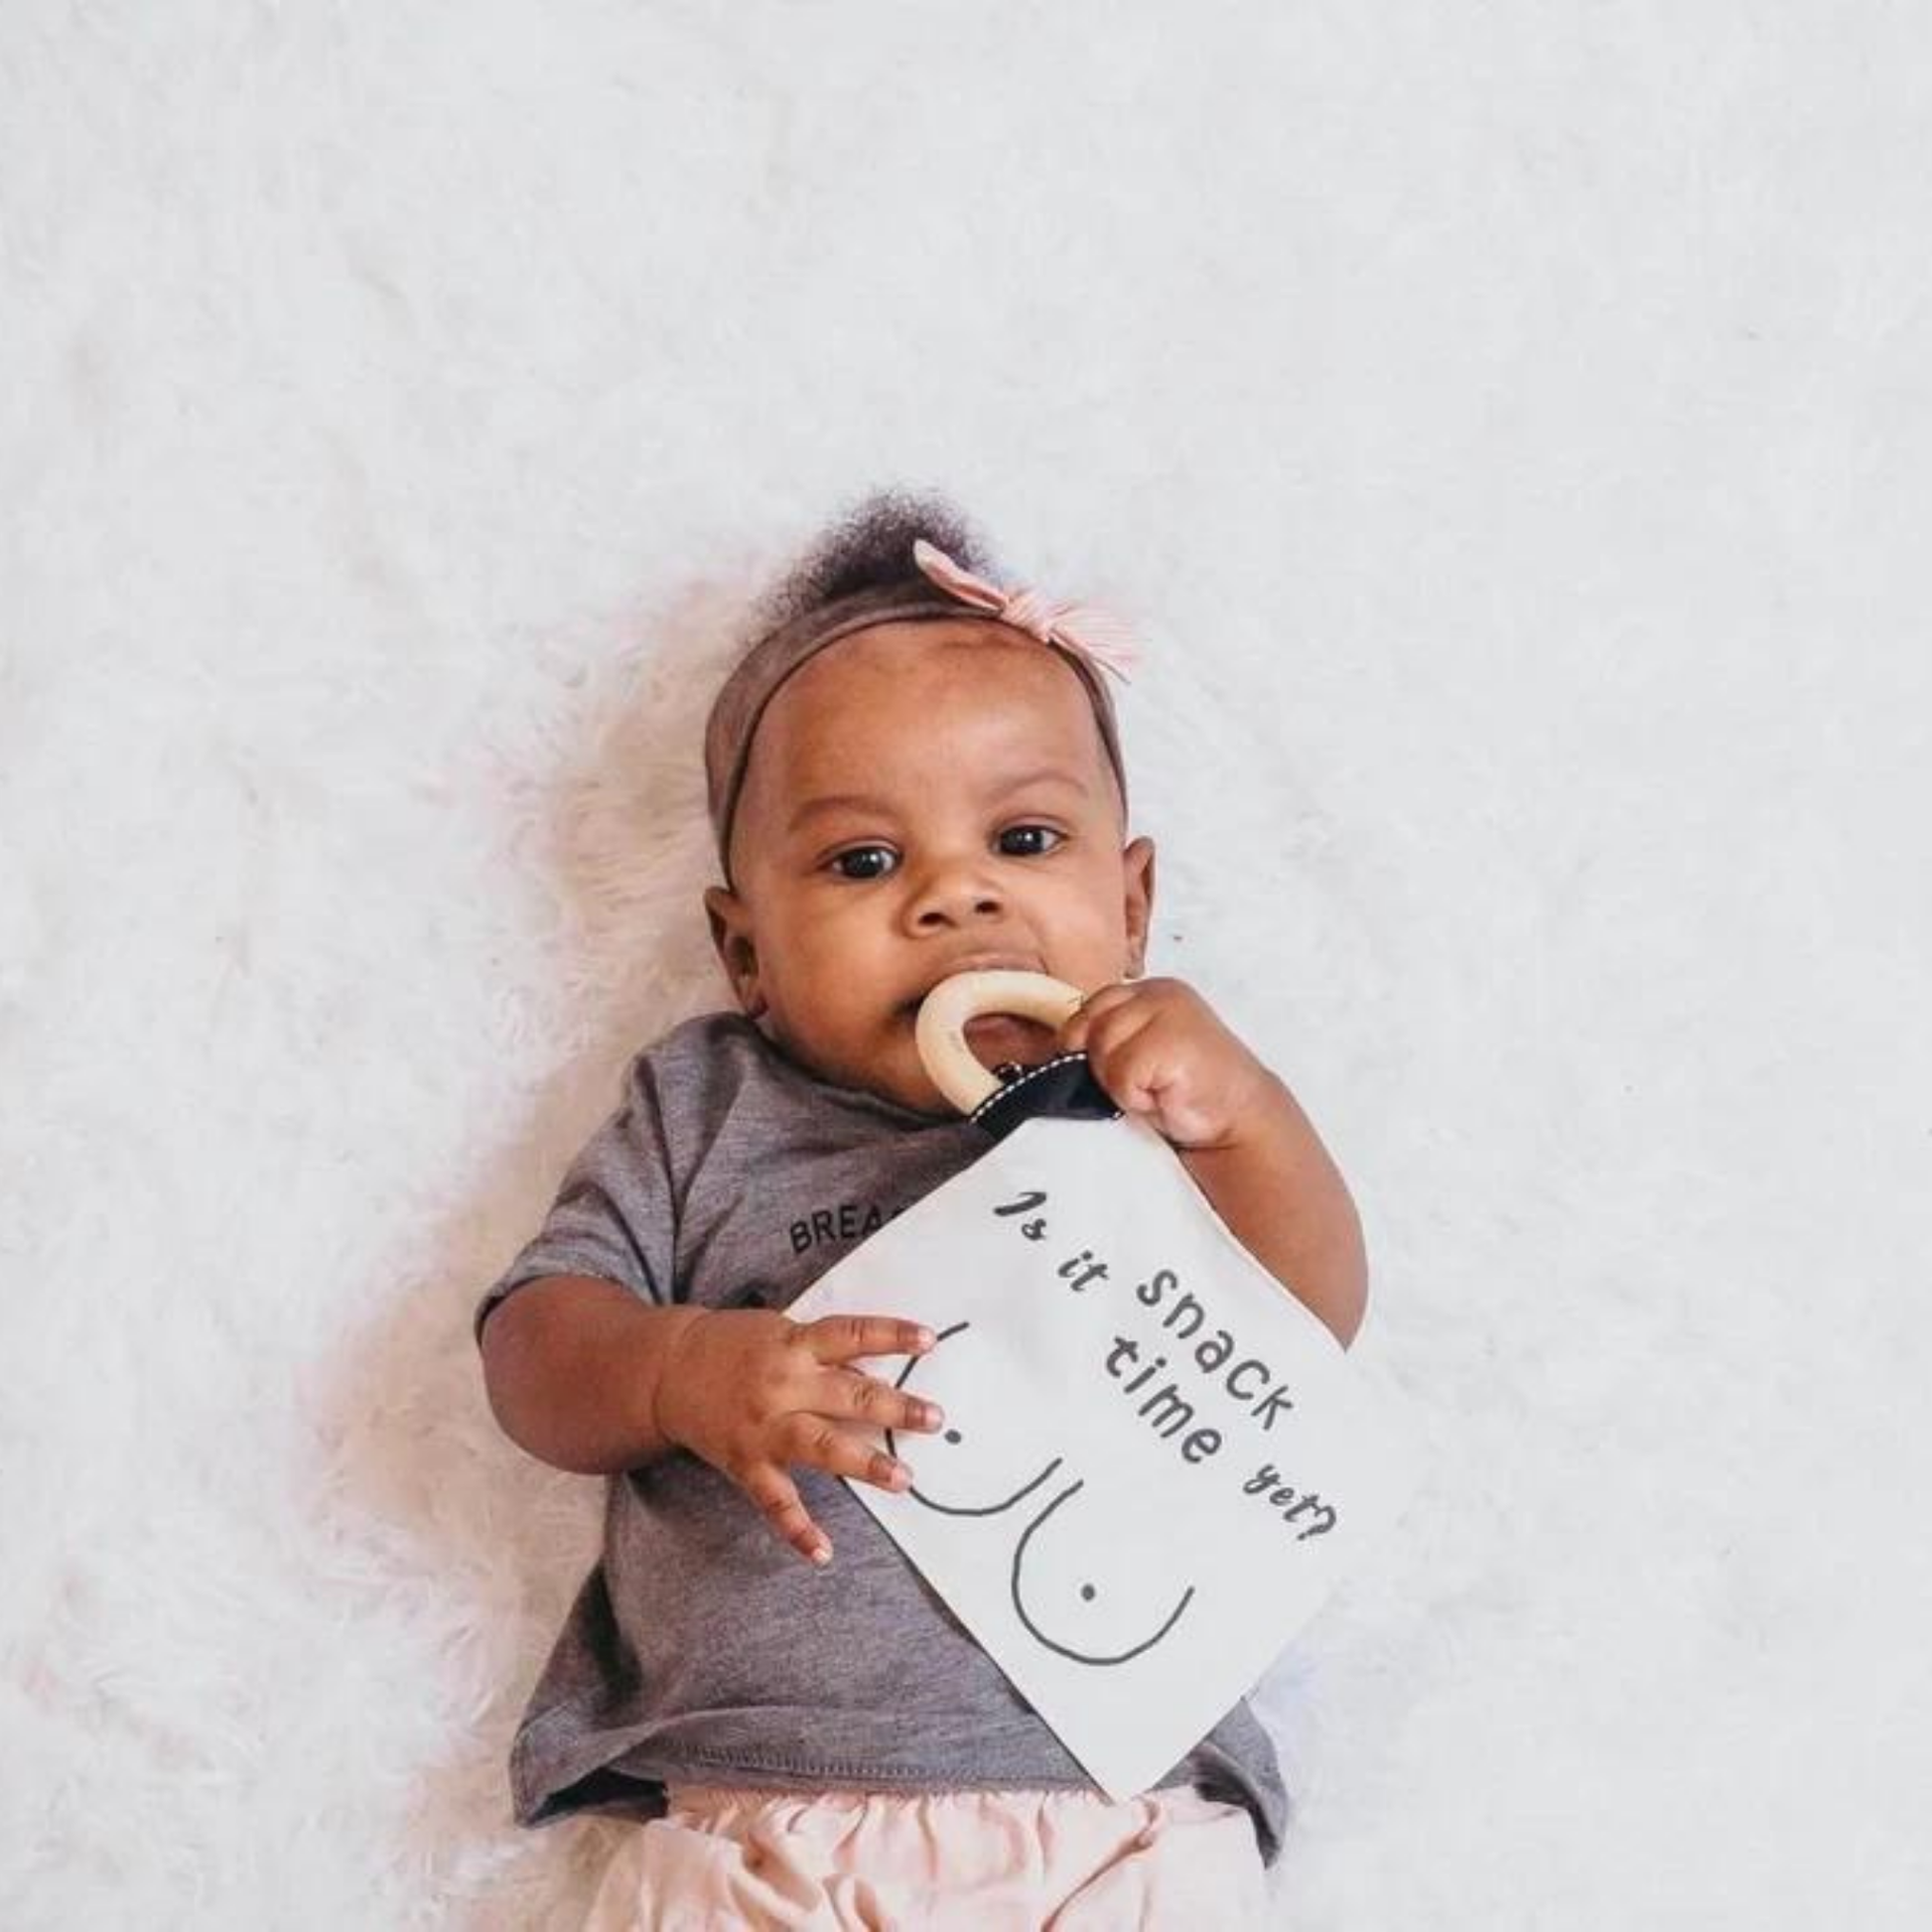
[956, 891]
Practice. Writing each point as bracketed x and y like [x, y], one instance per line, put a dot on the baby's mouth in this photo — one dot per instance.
[997, 1038]
[1000, 1023]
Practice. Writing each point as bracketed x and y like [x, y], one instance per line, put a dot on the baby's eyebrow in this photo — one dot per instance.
[1047, 774]
[856, 802]
[836, 801]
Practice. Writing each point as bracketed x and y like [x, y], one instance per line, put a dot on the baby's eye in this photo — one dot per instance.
[866, 852]
[1021, 841]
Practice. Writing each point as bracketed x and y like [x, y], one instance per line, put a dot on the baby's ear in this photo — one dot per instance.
[731, 935]
[1136, 872]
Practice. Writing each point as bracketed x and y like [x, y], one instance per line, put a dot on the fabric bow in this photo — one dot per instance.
[1087, 629]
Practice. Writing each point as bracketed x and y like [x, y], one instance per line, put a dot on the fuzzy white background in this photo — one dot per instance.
[1514, 424]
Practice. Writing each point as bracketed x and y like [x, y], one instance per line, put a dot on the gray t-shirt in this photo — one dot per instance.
[701, 1648]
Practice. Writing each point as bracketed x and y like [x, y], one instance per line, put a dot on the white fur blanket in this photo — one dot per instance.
[1511, 421]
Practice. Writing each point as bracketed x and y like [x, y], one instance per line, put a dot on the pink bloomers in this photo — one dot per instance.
[976, 1861]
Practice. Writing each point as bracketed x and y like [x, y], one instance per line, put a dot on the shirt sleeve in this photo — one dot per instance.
[613, 1215]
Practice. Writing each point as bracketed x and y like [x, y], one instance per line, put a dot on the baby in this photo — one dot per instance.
[912, 773]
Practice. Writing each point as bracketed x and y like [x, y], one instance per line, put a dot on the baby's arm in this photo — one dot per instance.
[1160, 1051]
[586, 1377]
[1286, 1203]
[571, 1366]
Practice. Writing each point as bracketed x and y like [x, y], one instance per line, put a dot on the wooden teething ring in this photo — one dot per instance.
[941, 1030]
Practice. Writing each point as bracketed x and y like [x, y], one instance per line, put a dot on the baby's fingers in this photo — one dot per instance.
[779, 1502]
[863, 1397]
[825, 1445]
[841, 1337]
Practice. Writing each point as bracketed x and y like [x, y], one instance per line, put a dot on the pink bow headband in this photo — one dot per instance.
[1087, 629]
[1090, 636]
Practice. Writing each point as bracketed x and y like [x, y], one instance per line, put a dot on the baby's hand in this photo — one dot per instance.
[754, 1391]
[1160, 1050]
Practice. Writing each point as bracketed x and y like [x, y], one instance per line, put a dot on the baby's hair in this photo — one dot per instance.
[870, 547]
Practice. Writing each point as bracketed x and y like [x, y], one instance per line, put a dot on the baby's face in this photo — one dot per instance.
[921, 799]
